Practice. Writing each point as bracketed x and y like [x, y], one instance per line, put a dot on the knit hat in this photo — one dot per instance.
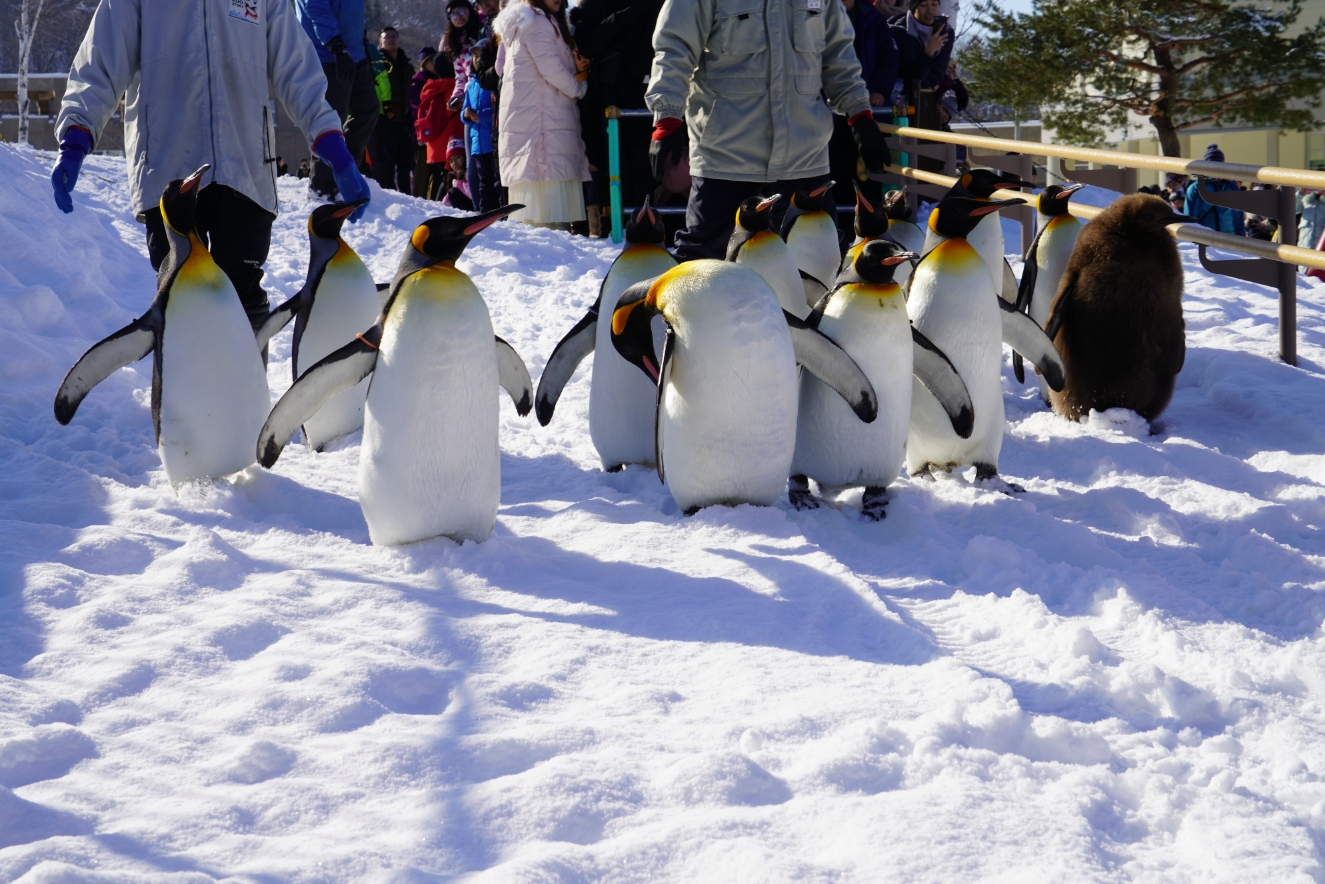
[452, 4]
[912, 4]
[1213, 154]
[426, 51]
[453, 147]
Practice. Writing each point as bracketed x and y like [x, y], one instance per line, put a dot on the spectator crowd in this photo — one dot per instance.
[509, 106]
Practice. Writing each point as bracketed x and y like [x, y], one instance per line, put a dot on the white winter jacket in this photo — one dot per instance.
[538, 132]
[194, 76]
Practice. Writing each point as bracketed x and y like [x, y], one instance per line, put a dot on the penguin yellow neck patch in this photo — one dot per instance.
[420, 237]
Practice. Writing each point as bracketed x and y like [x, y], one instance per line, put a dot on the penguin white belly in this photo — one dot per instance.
[430, 464]
[833, 446]
[768, 255]
[729, 404]
[814, 246]
[345, 304]
[621, 398]
[952, 302]
[214, 397]
[987, 240]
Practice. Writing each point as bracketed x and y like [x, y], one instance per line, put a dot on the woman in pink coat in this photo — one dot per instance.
[539, 146]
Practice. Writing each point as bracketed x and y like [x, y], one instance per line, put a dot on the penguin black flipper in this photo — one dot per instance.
[1025, 337]
[569, 353]
[514, 377]
[126, 346]
[1061, 305]
[817, 353]
[814, 289]
[932, 367]
[664, 373]
[1030, 270]
[339, 371]
[278, 319]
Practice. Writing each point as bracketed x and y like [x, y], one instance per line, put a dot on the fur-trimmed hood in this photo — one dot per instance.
[513, 18]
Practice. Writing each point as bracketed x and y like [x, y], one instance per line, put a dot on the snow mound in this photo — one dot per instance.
[1115, 676]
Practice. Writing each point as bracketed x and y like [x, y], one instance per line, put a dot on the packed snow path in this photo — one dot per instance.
[1116, 676]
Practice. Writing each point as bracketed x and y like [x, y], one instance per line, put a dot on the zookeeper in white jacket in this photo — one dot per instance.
[194, 77]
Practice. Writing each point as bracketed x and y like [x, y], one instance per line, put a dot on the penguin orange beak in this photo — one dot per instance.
[192, 181]
[861, 202]
[820, 191]
[1068, 190]
[769, 203]
[894, 260]
[995, 206]
[349, 208]
[479, 222]
[1013, 184]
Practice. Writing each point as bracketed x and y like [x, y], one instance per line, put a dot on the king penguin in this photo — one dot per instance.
[621, 401]
[430, 463]
[811, 235]
[1046, 260]
[987, 237]
[338, 300]
[725, 420]
[209, 386]
[865, 315]
[953, 303]
[756, 246]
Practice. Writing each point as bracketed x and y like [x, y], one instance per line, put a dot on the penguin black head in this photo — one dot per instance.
[445, 238]
[810, 200]
[632, 332]
[957, 215]
[179, 202]
[1141, 213]
[896, 207]
[326, 221]
[877, 262]
[1055, 199]
[755, 213]
[981, 184]
[871, 221]
[646, 226]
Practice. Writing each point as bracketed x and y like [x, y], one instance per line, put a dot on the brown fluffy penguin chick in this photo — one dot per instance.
[1117, 318]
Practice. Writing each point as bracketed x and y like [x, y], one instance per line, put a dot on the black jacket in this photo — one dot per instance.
[912, 62]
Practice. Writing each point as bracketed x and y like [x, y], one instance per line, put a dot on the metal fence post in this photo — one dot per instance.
[614, 171]
[1287, 218]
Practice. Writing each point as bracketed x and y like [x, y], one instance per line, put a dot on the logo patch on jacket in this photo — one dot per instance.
[244, 10]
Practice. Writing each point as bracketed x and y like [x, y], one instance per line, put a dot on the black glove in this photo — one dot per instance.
[873, 146]
[344, 64]
[669, 137]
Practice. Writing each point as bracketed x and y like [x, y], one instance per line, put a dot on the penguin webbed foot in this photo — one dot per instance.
[615, 468]
[987, 476]
[690, 511]
[873, 505]
[799, 494]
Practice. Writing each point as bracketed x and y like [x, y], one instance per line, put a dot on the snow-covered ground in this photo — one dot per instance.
[1117, 676]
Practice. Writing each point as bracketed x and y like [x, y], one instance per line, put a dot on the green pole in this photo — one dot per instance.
[614, 171]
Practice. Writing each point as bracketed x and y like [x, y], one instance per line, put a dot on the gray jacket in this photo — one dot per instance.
[194, 77]
[746, 76]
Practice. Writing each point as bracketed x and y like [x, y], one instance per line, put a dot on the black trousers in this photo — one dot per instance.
[355, 100]
[711, 212]
[392, 150]
[482, 174]
[237, 231]
[843, 157]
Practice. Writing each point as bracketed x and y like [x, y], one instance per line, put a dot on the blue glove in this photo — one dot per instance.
[331, 149]
[77, 143]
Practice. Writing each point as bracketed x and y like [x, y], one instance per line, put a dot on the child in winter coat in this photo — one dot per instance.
[541, 153]
[436, 124]
[458, 194]
[477, 113]
[426, 72]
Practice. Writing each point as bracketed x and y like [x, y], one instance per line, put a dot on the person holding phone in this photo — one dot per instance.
[924, 44]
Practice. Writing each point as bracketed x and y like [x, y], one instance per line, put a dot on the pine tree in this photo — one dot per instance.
[1179, 63]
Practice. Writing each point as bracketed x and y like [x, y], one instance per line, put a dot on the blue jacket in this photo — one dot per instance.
[478, 136]
[1216, 217]
[324, 19]
[875, 48]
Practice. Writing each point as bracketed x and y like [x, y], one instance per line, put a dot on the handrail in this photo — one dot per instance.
[1193, 233]
[1175, 165]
